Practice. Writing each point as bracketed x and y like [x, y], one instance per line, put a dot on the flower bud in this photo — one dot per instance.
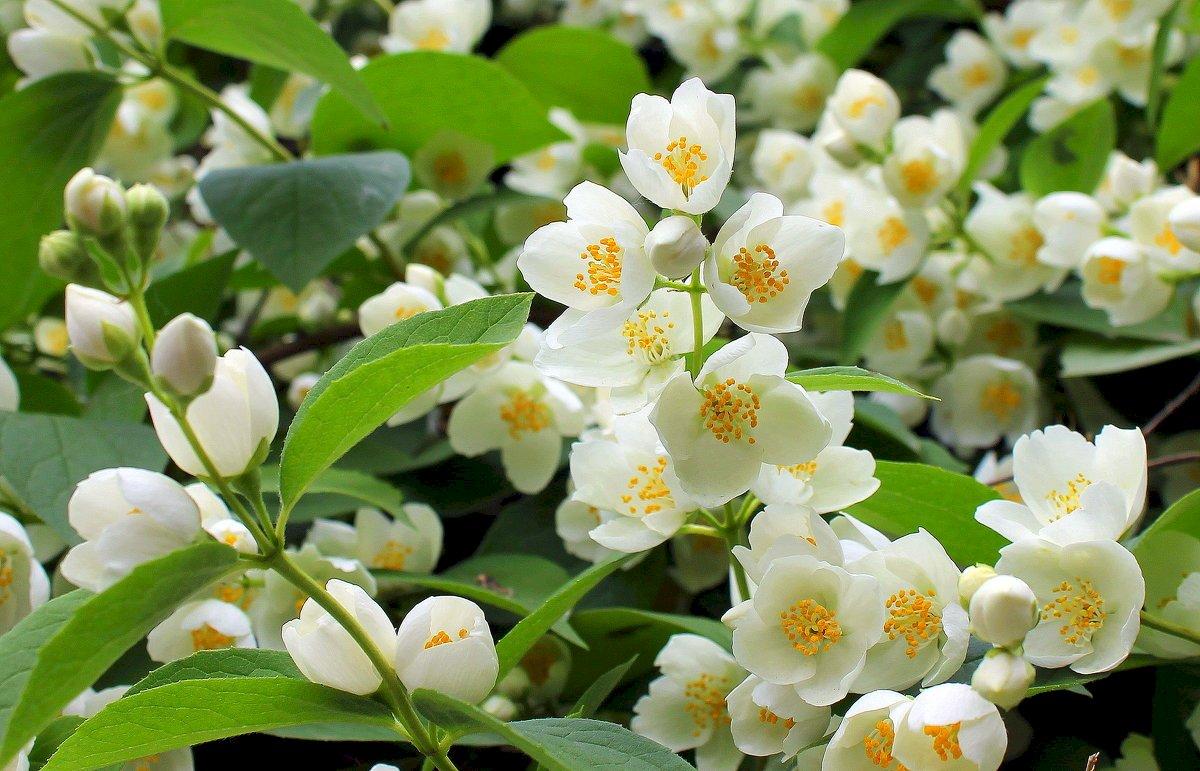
[148, 211]
[1003, 678]
[1185, 223]
[445, 645]
[103, 329]
[676, 246]
[94, 203]
[500, 707]
[62, 255]
[971, 579]
[326, 653]
[1003, 610]
[185, 356]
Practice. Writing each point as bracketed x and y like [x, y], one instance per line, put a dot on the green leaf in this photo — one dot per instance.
[424, 93]
[867, 306]
[361, 487]
[1050, 680]
[1084, 355]
[1073, 154]
[1065, 308]
[913, 495]
[1183, 516]
[272, 32]
[224, 663]
[514, 645]
[65, 645]
[587, 71]
[559, 744]
[51, 129]
[43, 457]
[851, 379]
[50, 738]
[1179, 133]
[995, 127]
[600, 689]
[383, 373]
[182, 713]
[296, 217]
[867, 21]
[1162, 42]
[196, 289]
[45, 394]
[879, 429]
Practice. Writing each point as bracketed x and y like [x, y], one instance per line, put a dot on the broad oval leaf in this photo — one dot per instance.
[1183, 516]
[867, 306]
[383, 373]
[64, 646]
[296, 217]
[1084, 355]
[424, 93]
[277, 33]
[587, 71]
[195, 289]
[1072, 155]
[995, 127]
[1179, 133]
[851, 379]
[223, 663]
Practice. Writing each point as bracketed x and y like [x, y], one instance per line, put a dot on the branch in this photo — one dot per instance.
[307, 342]
[1170, 407]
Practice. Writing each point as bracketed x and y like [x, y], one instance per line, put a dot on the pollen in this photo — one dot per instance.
[1021, 37]
[6, 577]
[919, 176]
[1118, 9]
[809, 99]
[646, 336]
[1167, 240]
[912, 615]
[1109, 270]
[434, 39]
[802, 471]
[892, 234]
[1025, 245]
[757, 274]
[705, 702]
[945, 740]
[1080, 607]
[1001, 399]
[647, 492]
[205, 638]
[834, 213]
[878, 745]
[926, 290]
[392, 555]
[1005, 336]
[450, 168]
[730, 411]
[767, 717]
[405, 312]
[602, 271]
[977, 75]
[683, 162]
[1067, 501]
[524, 414]
[858, 108]
[894, 337]
[810, 627]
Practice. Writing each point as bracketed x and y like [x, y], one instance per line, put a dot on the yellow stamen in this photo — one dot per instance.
[757, 274]
[1080, 609]
[603, 272]
[682, 161]
[730, 411]
[524, 414]
[810, 627]
[911, 615]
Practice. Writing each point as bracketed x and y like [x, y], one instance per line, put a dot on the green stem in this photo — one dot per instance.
[705, 530]
[1167, 627]
[678, 286]
[733, 537]
[696, 357]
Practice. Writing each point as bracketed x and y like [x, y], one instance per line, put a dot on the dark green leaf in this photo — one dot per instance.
[363, 488]
[1179, 133]
[867, 306]
[1085, 355]
[995, 127]
[1065, 308]
[1073, 154]
[224, 663]
[196, 290]
[600, 689]
[867, 21]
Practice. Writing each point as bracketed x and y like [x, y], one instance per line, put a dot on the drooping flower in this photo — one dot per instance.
[445, 644]
[201, 625]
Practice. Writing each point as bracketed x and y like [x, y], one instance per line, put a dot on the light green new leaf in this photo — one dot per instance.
[224, 663]
[277, 33]
[867, 306]
[1073, 154]
[514, 645]
[1179, 132]
[851, 379]
[65, 645]
[913, 495]
[867, 21]
[383, 373]
[995, 127]
[423, 93]
[190, 712]
[43, 457]
[558, 744]
[351, 484]
[51, 129]
[587, 71]
[1084, 356]
[296, 217]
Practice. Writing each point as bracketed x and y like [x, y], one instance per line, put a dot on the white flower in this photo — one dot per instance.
[973, 74]
[300, 387]
[1120, 19]
[902, 343]
[218, 522]
[1125, 181]
[1013, 31]
[681, 152]
[864, 741]
[1172, 573]
[445, 644]
[738, 414]
[103, 329]
[1003, 610]
[705, 40]
[1150, 225]
[685, 708]
[783, 163]
[865, 107]
[552, 170]
[790, 95]
[10, 390]
[951, 725]
[1119, 278]
[636, 359]
[927, 158]
[1184, 221]
[808, 625]
[594, 262]
[1069, 223]
[984, 398]
[184, 357]
[1126, 62]
[234, 420]
[437, 25]
[786, 530]
[676, 246]
[764, 266]
[1003, 226]
[1055, 471]
[326, 653]
[127, 516]
[201, 625]
[381, 542]
[525, 416]
[631, 482]
[1003, 678]
[881, 235]
[769, 719]
[1090, 596]
[24, 585]
[574, 522]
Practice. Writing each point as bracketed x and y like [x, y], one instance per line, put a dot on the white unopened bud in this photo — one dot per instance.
[326, 653]
[103, 329]
[971, 579]
[1003, 610]
[500, 707]
[93, 203]
[185, 356]
[1185, 223]
[1003, 678]
[676, 246]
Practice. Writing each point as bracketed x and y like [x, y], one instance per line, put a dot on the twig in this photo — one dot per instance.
[307, 342]
[1173, 460]
[1192, 389]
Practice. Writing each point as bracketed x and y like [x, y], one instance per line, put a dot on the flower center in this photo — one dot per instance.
[730, 410]
[524, 414]
[706, 702]
[205, 638]
[945, 740]
[648, 493]
[1167, 240]
[767, 717]
[809, 98]
[810, 627]
[911, 615]
[434, 39]
[1005, 335]
[919, 177]
[1025, 245]
[1118, 9]
[892, 234]
[835, 213]
[646, 336]
[1001, 399]
[392, 556]
[878, 745]
[603, 272]
[894, 337]
[977, 75]
[682, 161]
[802, 471]
[1109, 270]
[6, 577]
[1081, 609]
[1067, 501]
[757, 274]
[441, 637]
[450, 168]
[858, 108]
